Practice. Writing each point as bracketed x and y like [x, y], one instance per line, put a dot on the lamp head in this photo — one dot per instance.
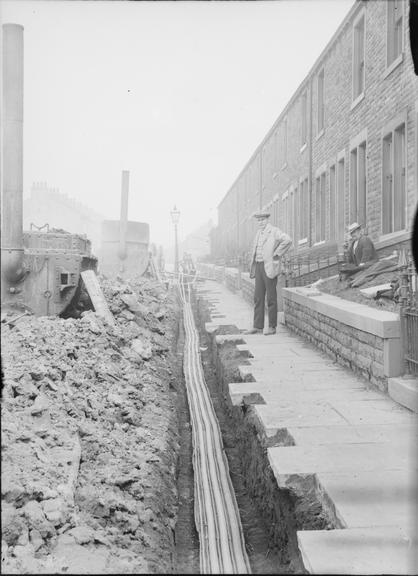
[175, 215]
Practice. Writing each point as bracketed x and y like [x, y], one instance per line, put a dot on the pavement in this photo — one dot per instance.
[357, 443]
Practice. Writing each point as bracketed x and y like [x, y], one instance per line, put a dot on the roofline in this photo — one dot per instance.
[347, 19]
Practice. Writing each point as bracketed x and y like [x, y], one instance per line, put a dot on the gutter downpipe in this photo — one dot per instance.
[12, 251]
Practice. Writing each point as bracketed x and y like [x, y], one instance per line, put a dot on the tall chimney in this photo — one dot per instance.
[123, 224]
[12, 137]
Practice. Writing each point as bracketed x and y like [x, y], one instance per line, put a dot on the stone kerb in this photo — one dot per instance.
[357, 336]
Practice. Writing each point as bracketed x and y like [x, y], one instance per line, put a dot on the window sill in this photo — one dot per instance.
[284, 166]
[318, 136]
[303, 148]
[303, 242]
[320, 243]
[392, 66]
[357, 101]
[398, 236]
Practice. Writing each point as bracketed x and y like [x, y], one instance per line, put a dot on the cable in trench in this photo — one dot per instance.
[222, 546]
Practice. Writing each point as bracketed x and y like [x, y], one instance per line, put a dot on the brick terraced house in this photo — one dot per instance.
[344, 149]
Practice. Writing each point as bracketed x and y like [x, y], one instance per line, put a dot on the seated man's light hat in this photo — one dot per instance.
[354, 226]
[261, 215]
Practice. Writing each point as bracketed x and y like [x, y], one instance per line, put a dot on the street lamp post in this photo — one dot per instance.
[175, 215]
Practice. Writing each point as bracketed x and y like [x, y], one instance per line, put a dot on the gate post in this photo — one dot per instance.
[403, 304]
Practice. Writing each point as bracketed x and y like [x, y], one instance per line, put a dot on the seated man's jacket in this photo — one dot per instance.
[364, 252]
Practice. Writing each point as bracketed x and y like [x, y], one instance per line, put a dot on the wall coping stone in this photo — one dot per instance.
[378, 322]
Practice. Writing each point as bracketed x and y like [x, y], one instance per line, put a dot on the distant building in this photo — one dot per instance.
[47, 205]
[197, 243]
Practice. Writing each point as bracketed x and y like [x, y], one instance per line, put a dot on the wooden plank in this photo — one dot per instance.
[154, 269]
[96, 296]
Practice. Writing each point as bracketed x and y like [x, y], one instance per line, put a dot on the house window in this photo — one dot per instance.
[276, 211]
[295, 215]
[340, 199]
[394, 193]
[358, 58]
[304, 115]
[285, 212]
[276, 151]
[320, 102]
[292, 214]
[303, 210]
[358, 174]
[320, 208]
[394, 30]
[332, 203]
[284, 144]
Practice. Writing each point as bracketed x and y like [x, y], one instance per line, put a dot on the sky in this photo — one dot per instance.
[178, 93]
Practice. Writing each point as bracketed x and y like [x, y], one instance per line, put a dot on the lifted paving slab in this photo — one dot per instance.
[373, 550]
[354, 444]
[338, 458]
[386, 498]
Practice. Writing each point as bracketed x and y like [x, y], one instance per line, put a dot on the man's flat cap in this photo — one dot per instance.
[354, 226]
[261, 215]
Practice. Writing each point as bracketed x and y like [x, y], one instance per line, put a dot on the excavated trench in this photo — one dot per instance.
[186, 557]
[270, 516]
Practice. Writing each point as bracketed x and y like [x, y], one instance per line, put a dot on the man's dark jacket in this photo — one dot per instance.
[364, 252]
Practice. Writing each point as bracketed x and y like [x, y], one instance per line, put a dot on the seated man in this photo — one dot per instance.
[361, 252]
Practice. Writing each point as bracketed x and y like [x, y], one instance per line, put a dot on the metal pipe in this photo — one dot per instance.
[12, 140]
[222, 546]
[123, 225]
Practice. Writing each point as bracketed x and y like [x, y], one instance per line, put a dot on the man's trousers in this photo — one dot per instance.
[263, 285]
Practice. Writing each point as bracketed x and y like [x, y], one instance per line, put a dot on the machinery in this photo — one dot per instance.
[125, 244]
[40, 270]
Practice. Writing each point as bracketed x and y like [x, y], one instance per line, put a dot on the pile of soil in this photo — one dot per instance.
[343, 290]
[89, 437]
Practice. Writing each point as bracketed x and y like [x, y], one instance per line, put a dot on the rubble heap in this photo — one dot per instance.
[89, 437]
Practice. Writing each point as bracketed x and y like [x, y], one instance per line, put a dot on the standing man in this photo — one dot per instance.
[269, 246]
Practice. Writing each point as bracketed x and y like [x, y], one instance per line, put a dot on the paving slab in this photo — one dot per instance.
[357, 412]
[285, 371]
[352, 443]
[275, 416]
[285, 392]
[341, 458]
[367, 498]
[308, 382]
[347, 434]
[373, 550]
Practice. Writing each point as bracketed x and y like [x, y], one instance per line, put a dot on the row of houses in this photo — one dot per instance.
[47, 205]
[344, 149]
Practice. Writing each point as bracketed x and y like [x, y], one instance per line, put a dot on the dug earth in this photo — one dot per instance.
[90, 437]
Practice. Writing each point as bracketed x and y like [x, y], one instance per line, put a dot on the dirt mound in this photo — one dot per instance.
[89, 437]
[343, 290]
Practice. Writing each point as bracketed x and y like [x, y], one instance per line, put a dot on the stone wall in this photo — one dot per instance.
[361, 338]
